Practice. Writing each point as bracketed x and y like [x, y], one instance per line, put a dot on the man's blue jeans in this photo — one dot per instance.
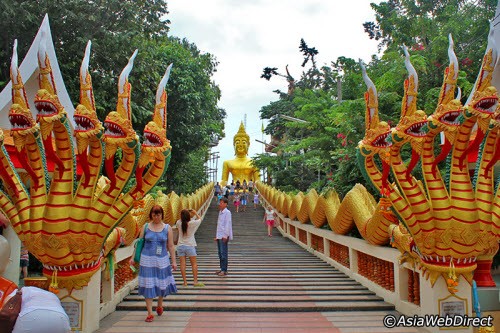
[222, 248]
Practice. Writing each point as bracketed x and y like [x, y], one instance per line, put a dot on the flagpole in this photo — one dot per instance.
[263, 147]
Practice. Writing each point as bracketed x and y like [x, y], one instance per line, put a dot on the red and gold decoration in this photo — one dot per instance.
[447, 225]
[446, 222]
[69, 223]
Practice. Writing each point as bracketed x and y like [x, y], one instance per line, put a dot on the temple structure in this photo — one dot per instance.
[241, 168]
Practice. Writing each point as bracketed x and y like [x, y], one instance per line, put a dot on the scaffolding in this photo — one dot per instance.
[211, 167]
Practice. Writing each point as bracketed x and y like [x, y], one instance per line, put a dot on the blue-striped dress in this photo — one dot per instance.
[155, 272]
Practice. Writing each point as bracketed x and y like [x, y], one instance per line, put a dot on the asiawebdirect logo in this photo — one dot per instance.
[391, 321]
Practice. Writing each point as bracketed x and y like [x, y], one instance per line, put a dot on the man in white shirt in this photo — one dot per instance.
[223, 235]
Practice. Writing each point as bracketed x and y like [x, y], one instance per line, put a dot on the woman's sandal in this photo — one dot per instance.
[199, 285]
[149, 318]
[159, 310]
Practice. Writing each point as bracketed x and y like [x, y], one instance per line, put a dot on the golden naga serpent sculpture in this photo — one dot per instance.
[447, 222]
[172, 205]
[63, 221]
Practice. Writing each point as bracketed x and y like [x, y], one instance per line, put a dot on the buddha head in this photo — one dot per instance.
[241, 142]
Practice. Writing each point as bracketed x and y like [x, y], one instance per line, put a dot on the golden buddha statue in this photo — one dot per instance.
[241, 168]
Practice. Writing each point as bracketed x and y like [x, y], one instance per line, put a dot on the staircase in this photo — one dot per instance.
[265, 274]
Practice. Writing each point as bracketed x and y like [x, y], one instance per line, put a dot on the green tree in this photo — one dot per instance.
[424, 27]
[113, 26]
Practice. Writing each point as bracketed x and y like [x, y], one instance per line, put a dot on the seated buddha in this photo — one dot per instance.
[241, 168]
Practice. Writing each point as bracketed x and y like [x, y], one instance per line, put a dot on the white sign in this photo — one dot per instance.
[453, 308]
[74, 312]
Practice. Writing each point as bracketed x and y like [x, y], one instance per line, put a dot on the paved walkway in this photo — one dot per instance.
[273, 286]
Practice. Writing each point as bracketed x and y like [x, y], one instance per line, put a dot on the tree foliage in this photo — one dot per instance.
[424, 27]
[308, 52]
[116, 29]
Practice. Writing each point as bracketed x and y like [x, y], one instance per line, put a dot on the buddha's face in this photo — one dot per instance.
[240, 146]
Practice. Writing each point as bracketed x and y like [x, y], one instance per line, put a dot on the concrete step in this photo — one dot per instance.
[266, 274]
[263, 298]
[265, 288]
[270, 275]
[238, 306]
[253, 292]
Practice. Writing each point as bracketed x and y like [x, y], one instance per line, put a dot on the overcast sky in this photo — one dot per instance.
[246, 36]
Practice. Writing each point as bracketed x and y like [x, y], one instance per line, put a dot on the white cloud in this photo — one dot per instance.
[248, 35]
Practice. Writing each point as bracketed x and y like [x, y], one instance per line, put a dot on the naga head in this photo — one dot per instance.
[412, 121]
[376, 131]
[446, 116]
[47, 103]
[483, 105]
[156, 147]
[155, 132]
[20, 116]
[118, 124]
[484, 100]
[87, 123]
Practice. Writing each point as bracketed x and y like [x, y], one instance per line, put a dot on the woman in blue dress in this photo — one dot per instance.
[155, 271]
